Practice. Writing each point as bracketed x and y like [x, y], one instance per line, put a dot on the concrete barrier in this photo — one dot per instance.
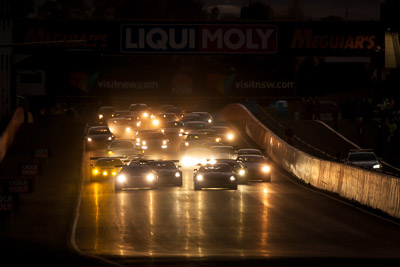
[373, 189]
[7, 137]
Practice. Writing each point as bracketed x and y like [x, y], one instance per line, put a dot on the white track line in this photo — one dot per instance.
[77, 213]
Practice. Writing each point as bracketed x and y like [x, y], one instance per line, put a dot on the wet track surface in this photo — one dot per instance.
[260, 220]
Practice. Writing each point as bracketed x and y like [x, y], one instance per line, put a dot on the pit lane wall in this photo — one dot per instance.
[373, 189]
[7, 137]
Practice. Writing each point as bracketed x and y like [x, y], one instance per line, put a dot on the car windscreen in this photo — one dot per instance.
[136, 169]
[362, 157]
[252, 159]
[109, 162]
[216, 168]
[97, 131]
[122, 144]
[255, 152]
[219, 149]
[162, 165]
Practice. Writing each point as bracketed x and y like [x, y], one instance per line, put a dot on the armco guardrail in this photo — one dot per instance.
[373, 189]
[7, 137]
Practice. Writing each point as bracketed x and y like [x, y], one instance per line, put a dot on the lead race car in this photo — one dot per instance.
[167, 171]
[218, 175]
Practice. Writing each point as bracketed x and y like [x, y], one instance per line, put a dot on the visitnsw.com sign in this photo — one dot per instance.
[202, 38]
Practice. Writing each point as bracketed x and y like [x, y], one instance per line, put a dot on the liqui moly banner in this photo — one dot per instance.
[202, 38]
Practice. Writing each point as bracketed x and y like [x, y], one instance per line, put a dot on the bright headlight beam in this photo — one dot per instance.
[230, 136]
[232, 178]
[177, 174]
[266, 168]
[242, 172]
[150, 177]
[121, 178]
[199, 177]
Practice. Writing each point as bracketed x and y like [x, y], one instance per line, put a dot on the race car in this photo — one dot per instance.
[104, 113]
[218, 175]
[193, 140]
[194, 126]
[172, 129]
[249, 151]
[118, 145]
[225, 134]
[237, 167]
[125, 126]
[136, 176]
[206, 117]
[98, 136]
[223, 152]
[104, 168]
[167, 171]
[258, 167]
[152, 141]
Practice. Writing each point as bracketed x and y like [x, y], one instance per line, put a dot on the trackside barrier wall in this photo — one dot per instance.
[7, 137]
[373, 189]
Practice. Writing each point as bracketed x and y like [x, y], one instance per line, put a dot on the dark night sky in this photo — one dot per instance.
[311, 9]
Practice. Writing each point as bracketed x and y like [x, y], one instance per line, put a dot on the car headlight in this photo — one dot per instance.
[199, 177]
[105, 173]
[377, 166]
[217, 139]
[164, 142]
[266, 168]
[242, 172]
[128, 129]
[150, 177]
[156, 122]
[186, 143]
[114, 173]
[230, 136]
[209, 120]
[162, 130]
[181, 130]
[145, 115]
[232, 178]
[177, 174]
[89, 139]
[100, 116]
[212, 161]
[121, 178]
[186, 161]
[110, 153]
[95, 171]
[109, 138]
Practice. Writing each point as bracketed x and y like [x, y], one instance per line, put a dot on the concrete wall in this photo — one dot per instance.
[373, 189]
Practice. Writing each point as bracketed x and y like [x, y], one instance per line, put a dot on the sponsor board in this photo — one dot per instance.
[41, 153]
[19, 185]
[201, 38]
[9, 202]
[29, 169]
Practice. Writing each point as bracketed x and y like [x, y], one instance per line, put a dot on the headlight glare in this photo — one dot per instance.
[121, 178]
[150, 177]
[266, 168]
[177, 174]
[199, 177]
[242, 172]
[232, 178]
